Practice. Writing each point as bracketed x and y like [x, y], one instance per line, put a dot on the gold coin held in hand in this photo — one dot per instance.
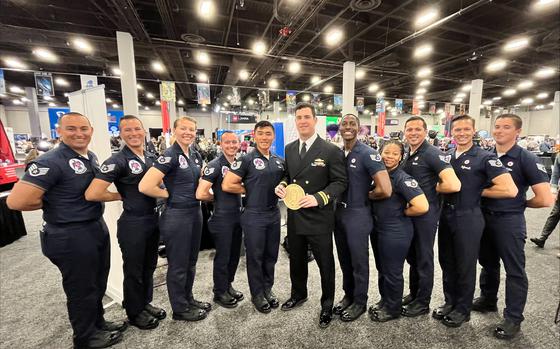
[294, 193]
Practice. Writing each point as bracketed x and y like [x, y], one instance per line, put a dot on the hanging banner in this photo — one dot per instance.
[462, 109]
[88, 81]
[235, 96]
[164, 117]
[360, 104]
[399, 105]
[337, 102]
[264, 97]
[44, 84]
[452, 110]
[415, 108]
[291, 101]
[316, 98]
[381, 124]
[432, 108]
[380, 105]
[167, 91]
[203, 93]
[2, 82]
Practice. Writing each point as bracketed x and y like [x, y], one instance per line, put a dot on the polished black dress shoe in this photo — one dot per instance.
[441, 311]
[293, 303]
[272, 299]
[325, 318]
[414, 309]
[101, 339]
[144, 321]
[235, 294]
[226, 300]
[538, 241]
[407, 299]
[200, 305]
[455, 319]
[377, 305]
[111, 326]
[191, 314]
[352, 312]
[506, 329]
[344, 303]
[261, 304]
[382, 315]
[156, 312]
[484, 305]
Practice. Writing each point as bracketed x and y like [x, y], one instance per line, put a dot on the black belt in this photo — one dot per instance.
[227, 210]
[152, 212]
[497, 213]
[73, 224]
[184, 205]
[262, 208]
[345, 205]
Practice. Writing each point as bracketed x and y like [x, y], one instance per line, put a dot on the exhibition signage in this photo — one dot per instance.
[360, 104]
[167, 91]
[113, 118]
[44, 84]
[381, 124]
[432, 108]
[291, 101]
[391, 122]
[88, 81]
[337, 102]
[203, 93]
[241, 119]
[380, 105]
[2, 82]
[399, 105]
[235, 96]
[415, 109]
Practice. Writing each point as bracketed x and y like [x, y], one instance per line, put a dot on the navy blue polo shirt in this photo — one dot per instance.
[214, 173]
[181, 175]
[425, 165]
[391, 209]
[260, 176]
[362, 162]
[526, 170]
[126, 169]
[65, 175]
[475, 168]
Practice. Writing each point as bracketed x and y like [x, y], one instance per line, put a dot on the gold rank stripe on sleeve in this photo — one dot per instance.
[324, 197]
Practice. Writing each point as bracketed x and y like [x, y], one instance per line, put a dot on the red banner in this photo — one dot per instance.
[381, 124]
[164, 116]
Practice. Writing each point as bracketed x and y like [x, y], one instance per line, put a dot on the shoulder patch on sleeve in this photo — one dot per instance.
[236, 165]
[541, 167]
[445, 158]
[208, 171]
[375, 157]
[35, 170]
[164, 159]
[495, 163]
[107, 168]
[411, 183]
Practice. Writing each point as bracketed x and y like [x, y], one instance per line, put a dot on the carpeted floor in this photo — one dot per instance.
[33, 309]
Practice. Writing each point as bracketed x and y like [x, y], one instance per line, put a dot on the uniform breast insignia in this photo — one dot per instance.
[259, 164]
[77, 165]
[225, 170]
[183, 163]
[411, 183]
[235, 166]
[467, 162]
[541, 167]
[510, 163]
[196, 161]
[495, 163]
[135, 167]
[318, 163]
[353, 161]
[107, 168]
[164, 160]
[208, 171]
[35, 170]
[445, 158]
[375, 157]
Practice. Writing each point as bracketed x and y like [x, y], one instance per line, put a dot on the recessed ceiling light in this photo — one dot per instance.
[16, 89]
[108, 100]
[551, 103]
[333, 36]
[61, 82]
[305, 98]
[320, 104]
[150, 95]
[545, 72]
[294, 67]
[82, 45]
[423, 51]
[225, 104]
[466, 87]
[51, 104]
[45, 55]
[250, 101]
[487, 102]
[509, 92]
[24, 99]
[202, 77]
[540, 106]
[158, 103]
[366, 111]
[243, 74]
[497, 98]
[542, 95]
[496, 65]
[380, 94]
[158, 67]
[330, 107]
[421, 91]
[457, 100]
[315, 79]
[203, 58]
[146, 108]
[180, 102]
[419, 97]
[424, 72]
[527, 101]
[426, 17]
[47, 98]
[360, 74]
[206, 9]
[14, 63]
[273, 83]
[228, 97]
[461, 95]
[139, 87]
[328, 89]
[115, 105]
[523, 85]
[17, 102]
[424, 83]
[259, 48]
[373, 87]
[116, 71]
[545, 4]
[516, 44]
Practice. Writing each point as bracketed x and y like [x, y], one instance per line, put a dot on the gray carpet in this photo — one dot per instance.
[33, 309]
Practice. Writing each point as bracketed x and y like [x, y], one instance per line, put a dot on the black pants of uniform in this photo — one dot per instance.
[421, 255]
[504, 238]
[262, 240]
[181, 231]
[138, 239]
[352, 230]
[322, 248]
[552, 220]
[81, 251]
[391, 243]
[226, 231]
[460, 232]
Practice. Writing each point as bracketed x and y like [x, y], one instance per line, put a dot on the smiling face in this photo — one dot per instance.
[391, 155]
[263, 138]
[415, 133]
[505, 131]
[229, 144]
[305, 122]
[132, 133]
[185, 132]
[463, 132]
[76, 131]
[349, 127]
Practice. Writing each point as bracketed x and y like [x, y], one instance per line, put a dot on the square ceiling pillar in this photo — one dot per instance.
[475, 100]
[348, 83]
[125, 48]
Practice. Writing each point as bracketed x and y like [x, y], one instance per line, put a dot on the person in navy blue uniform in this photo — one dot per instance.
[224, 225]
[353, 219]
[137, 227]
[257, 174]
[431, 168]
[554, 215]
[180, 224]
[462, 222]
[393, 232]
[318, 167]
[74, 236]
[505, 230]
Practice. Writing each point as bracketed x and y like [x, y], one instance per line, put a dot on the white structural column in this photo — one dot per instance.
[556, 117]
[475, 100]
[348, 84]
[33, 111]
[125, 48]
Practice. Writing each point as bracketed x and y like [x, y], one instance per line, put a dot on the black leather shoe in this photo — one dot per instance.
[191, 314]
[235, 293]
[325, 318]
[538, 241]
[272, 299]
[344, 303]
[225, 300]
[156, 312]
[144, 321]
[441, 311]
[352, 312]
[455, 319]
[111, 326]
[261, 304]
[101, 339]
[201, 305]
[414, 309]
[407, 299]
[376, 306]
[484, 305]
[293, 303]
[506, 329]
[382, 315]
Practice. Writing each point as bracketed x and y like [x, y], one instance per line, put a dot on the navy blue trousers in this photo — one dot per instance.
[504, 238]
[226, 231]
[181, 230]
[138, 238]
[81, 251]
[352, 230]
[262, 240]
[460, 232]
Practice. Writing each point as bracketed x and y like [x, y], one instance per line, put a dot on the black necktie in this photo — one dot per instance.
[303, 151]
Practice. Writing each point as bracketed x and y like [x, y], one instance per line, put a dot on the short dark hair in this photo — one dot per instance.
[130, 117]
[415, 118]
[462, 117]
[395, 142]
[70, 113]
[263, 124]
[303, 105]
[350, 114]
[517, 121]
